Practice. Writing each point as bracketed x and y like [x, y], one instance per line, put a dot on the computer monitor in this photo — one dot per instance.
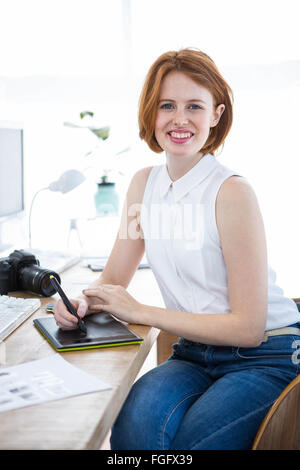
[11, 175]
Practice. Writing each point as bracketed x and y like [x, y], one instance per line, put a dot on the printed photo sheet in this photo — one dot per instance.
[44, 380]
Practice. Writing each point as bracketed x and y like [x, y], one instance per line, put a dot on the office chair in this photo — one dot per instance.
[280, 429]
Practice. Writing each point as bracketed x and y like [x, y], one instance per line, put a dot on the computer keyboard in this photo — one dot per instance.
[57, 261]
[14, 311]
[98, 264]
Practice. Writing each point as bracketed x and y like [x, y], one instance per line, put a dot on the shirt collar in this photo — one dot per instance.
[193, 177]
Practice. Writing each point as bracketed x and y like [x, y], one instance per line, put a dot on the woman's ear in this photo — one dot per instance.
[217, 115]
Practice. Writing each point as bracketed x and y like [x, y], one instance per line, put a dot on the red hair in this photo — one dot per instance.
[199, 67]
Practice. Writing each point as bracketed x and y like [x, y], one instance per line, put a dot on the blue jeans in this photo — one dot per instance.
[206, 397]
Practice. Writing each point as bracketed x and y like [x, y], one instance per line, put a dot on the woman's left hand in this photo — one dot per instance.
[117, 301]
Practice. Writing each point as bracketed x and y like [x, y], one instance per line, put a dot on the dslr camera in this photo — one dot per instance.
[22, 271]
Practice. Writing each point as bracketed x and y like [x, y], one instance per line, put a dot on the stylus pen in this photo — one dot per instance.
[67, 303]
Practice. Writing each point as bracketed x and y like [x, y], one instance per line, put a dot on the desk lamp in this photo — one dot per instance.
[69, 180]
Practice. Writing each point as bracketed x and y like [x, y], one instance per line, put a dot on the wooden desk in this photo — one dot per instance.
[81, 422]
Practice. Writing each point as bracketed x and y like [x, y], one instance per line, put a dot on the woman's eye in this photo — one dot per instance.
[171, 106]
[166, 106]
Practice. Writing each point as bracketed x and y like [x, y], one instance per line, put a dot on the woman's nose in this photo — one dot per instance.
[180, 118]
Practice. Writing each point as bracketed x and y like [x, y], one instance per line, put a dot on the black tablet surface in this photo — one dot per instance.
[102, 331]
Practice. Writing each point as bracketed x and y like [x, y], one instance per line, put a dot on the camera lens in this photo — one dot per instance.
[35, 279]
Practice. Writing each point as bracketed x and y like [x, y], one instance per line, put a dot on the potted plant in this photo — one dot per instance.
[106, 198]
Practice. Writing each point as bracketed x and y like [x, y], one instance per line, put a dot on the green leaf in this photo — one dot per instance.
[102, 132]
[86, 113]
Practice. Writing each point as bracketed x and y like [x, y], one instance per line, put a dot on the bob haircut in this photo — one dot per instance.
[199, 67]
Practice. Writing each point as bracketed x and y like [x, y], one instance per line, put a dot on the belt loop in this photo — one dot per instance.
[265, 338]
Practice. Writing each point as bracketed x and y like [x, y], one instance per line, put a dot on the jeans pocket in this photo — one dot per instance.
[179, 347]
[187, 350]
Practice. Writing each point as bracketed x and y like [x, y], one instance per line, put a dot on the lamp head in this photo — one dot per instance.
[69, 180]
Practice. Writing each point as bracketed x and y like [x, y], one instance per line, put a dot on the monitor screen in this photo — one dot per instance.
[11, 171]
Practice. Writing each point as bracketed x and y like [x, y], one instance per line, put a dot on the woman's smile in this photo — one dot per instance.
[180, 136]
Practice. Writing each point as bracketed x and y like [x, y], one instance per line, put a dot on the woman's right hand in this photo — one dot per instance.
[64, 319]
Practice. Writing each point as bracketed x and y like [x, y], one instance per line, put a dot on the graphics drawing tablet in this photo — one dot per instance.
[102, 331]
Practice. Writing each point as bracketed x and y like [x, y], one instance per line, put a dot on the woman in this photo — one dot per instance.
[202, 229]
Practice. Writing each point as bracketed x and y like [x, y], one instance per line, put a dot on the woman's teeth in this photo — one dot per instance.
[181, 135]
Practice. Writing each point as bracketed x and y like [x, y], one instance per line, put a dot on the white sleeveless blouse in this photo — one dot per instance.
[183, 246]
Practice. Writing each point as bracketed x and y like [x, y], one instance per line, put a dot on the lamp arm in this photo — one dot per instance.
[30, 212]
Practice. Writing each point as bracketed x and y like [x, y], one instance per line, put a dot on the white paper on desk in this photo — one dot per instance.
[44, 380]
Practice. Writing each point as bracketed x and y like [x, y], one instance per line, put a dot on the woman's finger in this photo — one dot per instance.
[98, 292]
[65, 324]
[63, 317]
[82, 309]
[98, 307]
